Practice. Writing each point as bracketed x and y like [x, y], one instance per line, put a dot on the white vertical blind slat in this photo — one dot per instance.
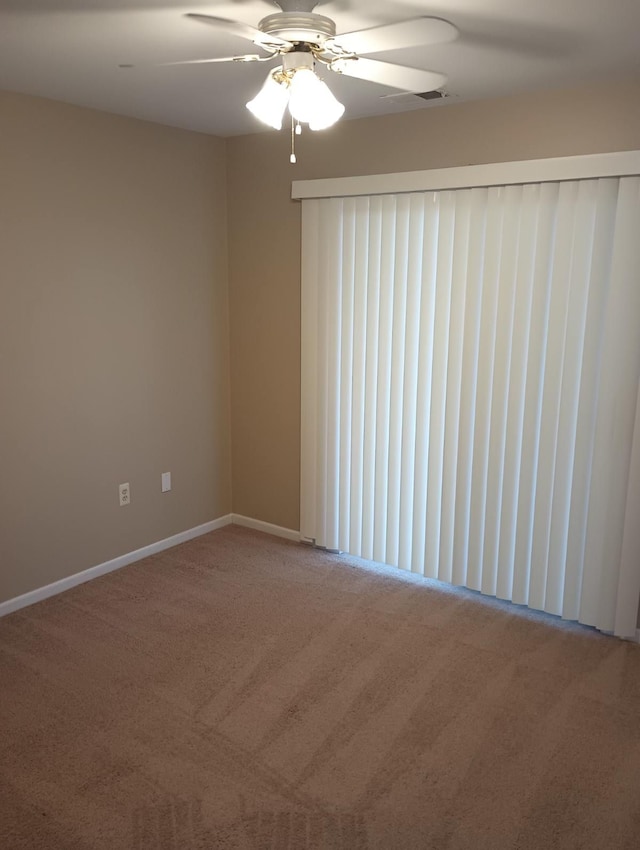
[523, 293]
[443, 260]
[325, 246]
[410, 388]
[371, 376]
[453, 379]
[469, 383]
[334, 416]
[425, 379]
[571, 374]
[551, 399]
[615, 419]
[396, 394]
[508, 248]
[358, 416]
[605, 206]
[478, 578]
[346, 407]
[383, 413]
[540, 302]
[309, 369]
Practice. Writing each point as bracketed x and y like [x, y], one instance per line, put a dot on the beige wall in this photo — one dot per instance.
[113, 336]
[264, 242]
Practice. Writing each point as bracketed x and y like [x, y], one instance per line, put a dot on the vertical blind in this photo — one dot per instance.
[470, 368]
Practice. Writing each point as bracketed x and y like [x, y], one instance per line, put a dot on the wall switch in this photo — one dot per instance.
[125, 494]
[166, 482]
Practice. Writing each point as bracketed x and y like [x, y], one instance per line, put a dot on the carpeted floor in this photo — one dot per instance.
[240, 691]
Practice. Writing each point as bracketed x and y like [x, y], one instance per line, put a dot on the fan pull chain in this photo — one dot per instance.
[292, 158]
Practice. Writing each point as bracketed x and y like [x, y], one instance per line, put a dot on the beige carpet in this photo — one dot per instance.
[240, 691]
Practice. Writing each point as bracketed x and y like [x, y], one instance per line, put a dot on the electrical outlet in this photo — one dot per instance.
[166, 482]
[125, 494]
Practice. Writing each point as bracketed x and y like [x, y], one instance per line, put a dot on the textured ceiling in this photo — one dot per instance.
[70, 50]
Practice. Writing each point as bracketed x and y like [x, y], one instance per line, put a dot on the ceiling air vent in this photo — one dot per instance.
[412, 97]
[430, 95]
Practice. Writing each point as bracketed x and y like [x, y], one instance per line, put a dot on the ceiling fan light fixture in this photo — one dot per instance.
[271, 101]
[311, 100]
[301, 38]
[328, 109]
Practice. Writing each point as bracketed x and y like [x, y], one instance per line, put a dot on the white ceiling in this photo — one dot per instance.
[69, 50]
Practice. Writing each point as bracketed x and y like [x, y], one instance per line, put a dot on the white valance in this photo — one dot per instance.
[618, 164]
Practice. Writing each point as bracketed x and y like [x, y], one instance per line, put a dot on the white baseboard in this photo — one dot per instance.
[109, 566]
[130, 557]
[266, 527]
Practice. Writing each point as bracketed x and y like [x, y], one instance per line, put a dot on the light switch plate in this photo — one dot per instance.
[166, 482]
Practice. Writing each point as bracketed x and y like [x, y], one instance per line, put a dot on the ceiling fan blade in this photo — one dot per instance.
[411, 33]
[237, 28]
[386, 74]
[249, 57]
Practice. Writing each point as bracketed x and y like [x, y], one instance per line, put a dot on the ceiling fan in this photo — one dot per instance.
[303, 40]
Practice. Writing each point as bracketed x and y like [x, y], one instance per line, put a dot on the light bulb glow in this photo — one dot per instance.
[271, 101]
[311, 101]
[328, 110]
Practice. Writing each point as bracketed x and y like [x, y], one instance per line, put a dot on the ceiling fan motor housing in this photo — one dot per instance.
[296, 60]
[299, 27]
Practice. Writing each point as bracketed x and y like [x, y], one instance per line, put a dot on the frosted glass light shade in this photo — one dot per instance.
[328, 111]
[311, 100]
[271, 101]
